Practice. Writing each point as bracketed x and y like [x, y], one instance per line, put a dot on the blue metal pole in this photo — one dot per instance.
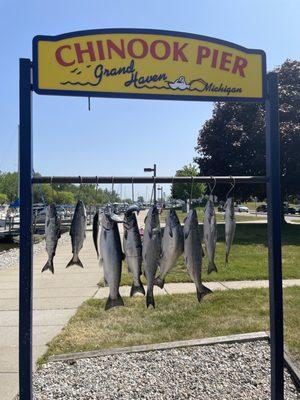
[274, 238]
[25, 269]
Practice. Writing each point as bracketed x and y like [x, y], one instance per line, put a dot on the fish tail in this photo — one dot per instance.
[150, 299]
[212, 267]
[137, 289]
[226, 259]
[159, 282]
[114, 302]
[49, 265]
[202, 292]
[75, 261]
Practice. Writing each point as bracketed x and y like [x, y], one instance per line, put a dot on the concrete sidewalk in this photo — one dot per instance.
[188, 287]
[55, 299]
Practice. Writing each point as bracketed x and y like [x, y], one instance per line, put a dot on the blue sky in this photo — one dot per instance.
[120, 137]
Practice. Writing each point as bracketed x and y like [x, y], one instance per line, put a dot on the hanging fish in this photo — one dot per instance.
[229, 225]
[193, 252]
[96, 231]
[151, 251]
[52, 234]
[172, 247]
[132, 245]
[77, 232]
[210, 234]
[111, 257]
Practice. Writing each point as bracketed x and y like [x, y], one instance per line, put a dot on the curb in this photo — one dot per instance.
[293, 369]
[240, 338]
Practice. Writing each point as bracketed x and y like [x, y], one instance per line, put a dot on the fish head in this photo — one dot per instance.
[80, 208]
[172, 219]
[130, 217]
[152, 219]
[191, 218]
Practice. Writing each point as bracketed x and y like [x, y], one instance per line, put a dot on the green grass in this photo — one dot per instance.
[176, 317]
[248, 258]
[220, 217]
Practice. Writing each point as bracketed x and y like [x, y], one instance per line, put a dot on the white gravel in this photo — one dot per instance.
[219, 372]
[10, 258]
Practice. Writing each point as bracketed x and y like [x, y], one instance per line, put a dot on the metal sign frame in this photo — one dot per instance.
[274, 219]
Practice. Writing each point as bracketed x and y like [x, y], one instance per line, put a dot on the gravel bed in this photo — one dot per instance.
[10, 257]
[219, 372]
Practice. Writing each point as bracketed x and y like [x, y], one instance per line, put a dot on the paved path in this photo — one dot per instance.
[56, 298]
[173, 288]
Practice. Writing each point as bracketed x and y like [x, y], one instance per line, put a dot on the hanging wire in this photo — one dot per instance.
[89, 103]
[211, 189]
[191, 193]
[132, 190]
[51, 183]
[232, 187]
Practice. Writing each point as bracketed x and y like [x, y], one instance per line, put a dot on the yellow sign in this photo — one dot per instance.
[147, 64]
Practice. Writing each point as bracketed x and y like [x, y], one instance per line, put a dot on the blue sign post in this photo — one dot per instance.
[274, 225]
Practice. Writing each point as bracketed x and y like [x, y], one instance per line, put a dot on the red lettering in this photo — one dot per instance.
[239, 65]
[214, 58]
[112, 46]
[59, 58]
[132, 53]
[80, 51]
[203, 52]
[178, 52]
[153, 50]
[225, 60]
[100, 50]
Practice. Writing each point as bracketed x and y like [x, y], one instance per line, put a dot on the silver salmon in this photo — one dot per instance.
[111, 257]
[151, 251]
[132, 245]
[172, 246]
[210, 234]
[52, 234]
[77, 232]
[193, 252]
[229, 225]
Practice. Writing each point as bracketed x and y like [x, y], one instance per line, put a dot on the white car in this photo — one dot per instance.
[241, 208]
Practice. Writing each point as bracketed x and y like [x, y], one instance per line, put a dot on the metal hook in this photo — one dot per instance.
[192, 186]
[51, 183]
[211, 189]
[232, 187]
[132, 189]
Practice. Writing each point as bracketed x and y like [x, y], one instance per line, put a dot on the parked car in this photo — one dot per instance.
[262, 208]
[221, 208]
[241, 208]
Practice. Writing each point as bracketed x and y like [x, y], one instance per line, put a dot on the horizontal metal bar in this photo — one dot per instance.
[148, 179]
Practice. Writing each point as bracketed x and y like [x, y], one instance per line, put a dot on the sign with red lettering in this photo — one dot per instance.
[147, 64]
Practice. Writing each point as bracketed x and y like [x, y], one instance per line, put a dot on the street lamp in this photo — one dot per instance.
[154, 184]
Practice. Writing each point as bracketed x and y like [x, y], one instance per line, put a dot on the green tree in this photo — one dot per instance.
[232, 141]
[140, 199]
[3, 198]
[64, 197]
[183, 191]
[9, 185]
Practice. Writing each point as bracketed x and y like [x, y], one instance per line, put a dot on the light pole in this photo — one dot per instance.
[154, 184]
[161, 193]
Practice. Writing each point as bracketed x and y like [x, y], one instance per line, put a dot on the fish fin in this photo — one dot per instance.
[204, 291]
[137, 289]
[150, 299]
[73, 261]
[114, 302]
[159, 282]
[212, 267]
[170, 232]
[125, 234]
[49, 265]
